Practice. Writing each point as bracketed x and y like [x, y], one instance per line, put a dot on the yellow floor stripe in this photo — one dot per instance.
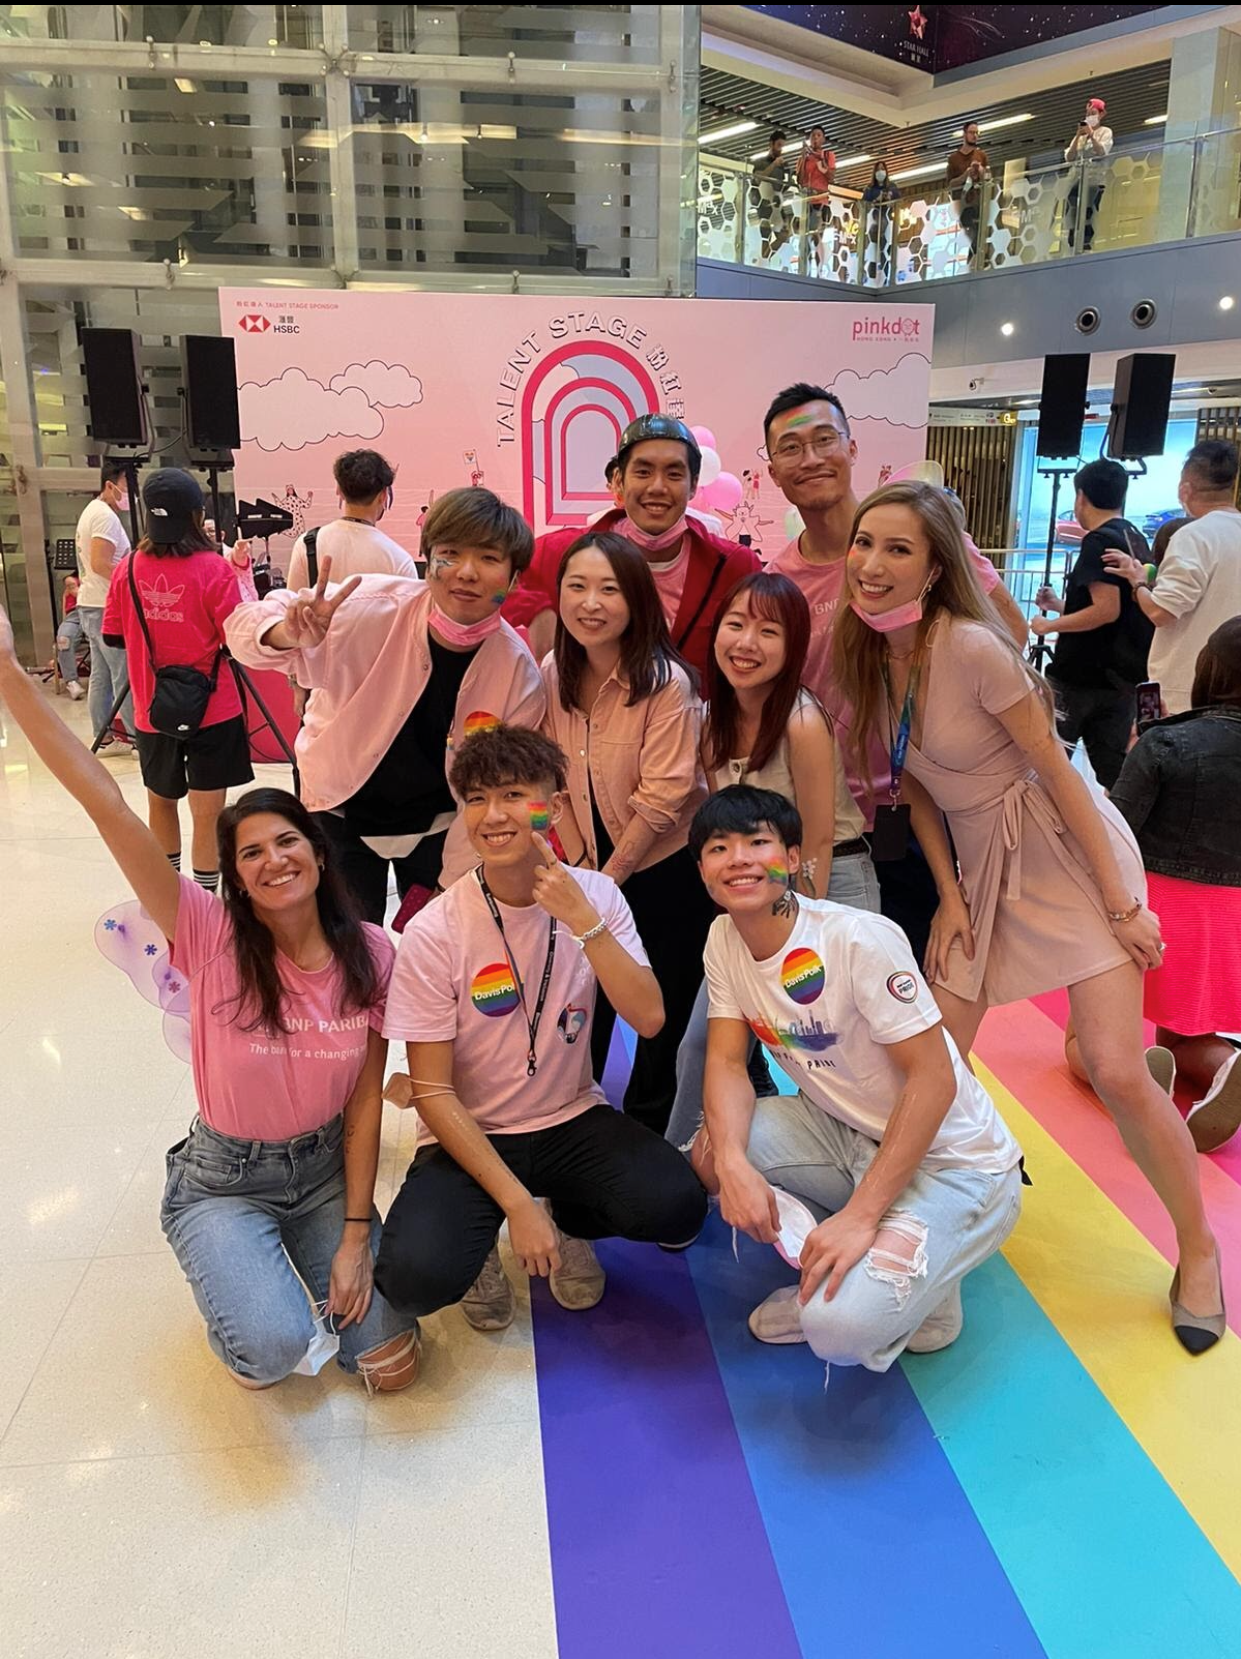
[1105, 1288]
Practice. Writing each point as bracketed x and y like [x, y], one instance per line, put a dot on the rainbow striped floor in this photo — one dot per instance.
[1062, 1481]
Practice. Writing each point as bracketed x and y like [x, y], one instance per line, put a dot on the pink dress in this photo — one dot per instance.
[1039, 920]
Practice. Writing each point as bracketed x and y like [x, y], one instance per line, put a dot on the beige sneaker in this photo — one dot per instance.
[489, 1303]
[580, 1282]
[778, 1319]
[941, 1326]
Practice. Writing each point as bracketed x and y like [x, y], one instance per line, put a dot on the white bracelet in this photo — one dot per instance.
[583, 939]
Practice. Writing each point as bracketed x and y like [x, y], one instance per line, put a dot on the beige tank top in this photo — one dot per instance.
[777, 774]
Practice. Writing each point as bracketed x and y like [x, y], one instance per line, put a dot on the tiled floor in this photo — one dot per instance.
[148, 1506]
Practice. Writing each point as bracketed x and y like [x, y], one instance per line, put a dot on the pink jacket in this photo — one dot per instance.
[642, 760]
[367, 675]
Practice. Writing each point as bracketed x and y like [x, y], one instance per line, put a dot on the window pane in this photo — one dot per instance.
[589, 34]
[300, 26]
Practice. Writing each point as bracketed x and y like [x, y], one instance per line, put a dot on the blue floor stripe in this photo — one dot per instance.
[1106, 1560]
[878, 1549]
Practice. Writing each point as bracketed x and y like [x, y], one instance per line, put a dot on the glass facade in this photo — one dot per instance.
[152, 154]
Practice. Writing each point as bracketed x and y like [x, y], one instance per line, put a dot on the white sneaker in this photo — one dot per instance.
[778, 1319]
[1217, 1116]
[941, 1327]
[489, 1303]
[581, 1281]
[75, 690]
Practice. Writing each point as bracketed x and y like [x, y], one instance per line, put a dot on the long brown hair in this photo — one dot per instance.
[859, 653]
[262, 996]
[774, 598]
[1217, 672]
[647, 653]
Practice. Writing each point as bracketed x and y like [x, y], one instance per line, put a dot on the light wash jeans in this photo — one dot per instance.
[67, 637]
[853, 881]
[255, 1225]
[956, 1218]
[108, 673]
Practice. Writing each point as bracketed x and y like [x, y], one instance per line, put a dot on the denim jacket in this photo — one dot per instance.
[1180, 792]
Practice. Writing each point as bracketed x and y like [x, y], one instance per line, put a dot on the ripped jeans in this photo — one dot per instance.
[954, 1218]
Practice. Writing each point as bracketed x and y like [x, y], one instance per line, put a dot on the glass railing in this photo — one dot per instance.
[1136, 197]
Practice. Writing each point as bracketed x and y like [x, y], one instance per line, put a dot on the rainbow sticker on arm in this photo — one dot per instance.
[480, 721]
[540, 816]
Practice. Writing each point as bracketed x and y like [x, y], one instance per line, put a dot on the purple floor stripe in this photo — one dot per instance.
[657, 1543]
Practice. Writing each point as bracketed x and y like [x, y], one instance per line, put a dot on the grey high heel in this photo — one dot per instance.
[1197, 1332]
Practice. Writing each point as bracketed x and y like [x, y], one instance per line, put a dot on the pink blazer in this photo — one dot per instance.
[367, 675]
[642, 760]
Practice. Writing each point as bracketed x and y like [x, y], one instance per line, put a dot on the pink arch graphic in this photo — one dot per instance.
[566, 354]
[551, 495]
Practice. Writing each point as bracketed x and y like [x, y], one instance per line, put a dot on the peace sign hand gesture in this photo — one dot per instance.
[310, 615]
[556, 892]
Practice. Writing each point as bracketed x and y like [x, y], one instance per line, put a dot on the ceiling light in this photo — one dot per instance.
[1226, 302]
[994, 126]
[1155, 120]
[919, 172]
[735, 131]
[1007, 328]
[853, 161]
[798, 144]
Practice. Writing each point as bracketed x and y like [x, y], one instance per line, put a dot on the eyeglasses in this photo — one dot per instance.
[821, 444]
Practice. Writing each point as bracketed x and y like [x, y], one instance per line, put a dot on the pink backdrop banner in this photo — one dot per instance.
[529, 395]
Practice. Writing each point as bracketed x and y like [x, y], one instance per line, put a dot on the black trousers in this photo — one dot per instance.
[1093, 199]
[909, 897]
[1102, 717]
[603, 1174]
[367, 873]
[673, 913]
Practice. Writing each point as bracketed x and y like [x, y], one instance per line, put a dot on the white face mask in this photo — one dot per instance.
[324, 1345]
[1092, 120]
[880, 177]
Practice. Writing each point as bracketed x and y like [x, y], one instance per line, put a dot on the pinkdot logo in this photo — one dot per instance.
[887, 328]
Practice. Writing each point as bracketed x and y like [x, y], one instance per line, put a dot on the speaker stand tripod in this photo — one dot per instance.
[1040, 650]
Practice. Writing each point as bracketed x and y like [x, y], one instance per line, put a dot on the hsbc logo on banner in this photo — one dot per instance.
[253, 323]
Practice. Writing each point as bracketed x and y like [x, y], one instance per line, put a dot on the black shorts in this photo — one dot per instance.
[216, 757]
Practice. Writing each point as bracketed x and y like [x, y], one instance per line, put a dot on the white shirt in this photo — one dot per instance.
[1083, 147]
[98, 522]
[828, 1004]
[357, 549]
[1199, 581]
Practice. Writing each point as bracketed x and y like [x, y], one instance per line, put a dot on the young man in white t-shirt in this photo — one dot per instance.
[358, 547]
[493, 992]
[1198, 584]
[889, 1138]
[102, 542]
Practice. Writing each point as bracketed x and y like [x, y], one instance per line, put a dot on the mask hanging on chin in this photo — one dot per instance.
[649, 543]
[903, 616]
[464, 635]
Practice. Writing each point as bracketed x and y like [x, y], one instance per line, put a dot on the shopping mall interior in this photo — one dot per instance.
[494, 248]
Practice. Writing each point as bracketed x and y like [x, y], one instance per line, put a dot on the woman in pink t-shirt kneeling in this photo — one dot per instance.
[272, 1188]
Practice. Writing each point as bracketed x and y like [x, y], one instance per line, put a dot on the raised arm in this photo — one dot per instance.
[142, 861]
[532, 1233]
[812, 759]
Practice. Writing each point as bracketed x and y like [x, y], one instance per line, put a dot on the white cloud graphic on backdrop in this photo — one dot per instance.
[387, 385]
[896, 395]
[294, 411]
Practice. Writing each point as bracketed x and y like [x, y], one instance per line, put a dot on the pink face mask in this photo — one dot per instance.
[466, 635]
[646, 541]
[887, 622]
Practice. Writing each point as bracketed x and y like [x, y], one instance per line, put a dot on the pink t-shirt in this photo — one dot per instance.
[670, 583]
[186, 603]
[250, 1084]
[452, 983]
[823, 586]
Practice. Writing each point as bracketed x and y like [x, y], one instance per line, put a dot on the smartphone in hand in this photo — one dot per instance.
[1150, 704]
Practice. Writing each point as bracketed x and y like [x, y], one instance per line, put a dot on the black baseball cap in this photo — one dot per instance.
[660, 426]
[171, 498]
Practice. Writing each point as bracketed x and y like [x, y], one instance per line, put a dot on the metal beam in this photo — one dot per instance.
[342, 179]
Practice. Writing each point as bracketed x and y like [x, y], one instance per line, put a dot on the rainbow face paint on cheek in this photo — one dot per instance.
[540, 816]
[799, 420]
[778, 873]
[499, 598]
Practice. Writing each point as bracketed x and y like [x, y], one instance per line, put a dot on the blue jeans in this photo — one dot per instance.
[108, 673]
[853, 881]
[255, 1225]
[67, 637]
[955, 1218]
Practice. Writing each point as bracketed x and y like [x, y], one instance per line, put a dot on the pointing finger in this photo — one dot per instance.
[325, 571]
[545, 852]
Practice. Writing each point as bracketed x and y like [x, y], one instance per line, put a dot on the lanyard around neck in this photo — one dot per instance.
[532, 1022]
[899, 739]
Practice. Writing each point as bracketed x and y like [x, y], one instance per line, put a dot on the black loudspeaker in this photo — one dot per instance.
[1062, 407]
[209, 375]
[117, 413]
[1140, 402]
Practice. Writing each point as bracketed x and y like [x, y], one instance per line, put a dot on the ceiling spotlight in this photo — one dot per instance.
[1226, 302]
[1007, 328]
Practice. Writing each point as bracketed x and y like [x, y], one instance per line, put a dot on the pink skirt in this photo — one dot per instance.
[1198, 988]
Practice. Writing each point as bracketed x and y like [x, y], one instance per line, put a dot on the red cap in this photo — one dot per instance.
[1096, 103]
